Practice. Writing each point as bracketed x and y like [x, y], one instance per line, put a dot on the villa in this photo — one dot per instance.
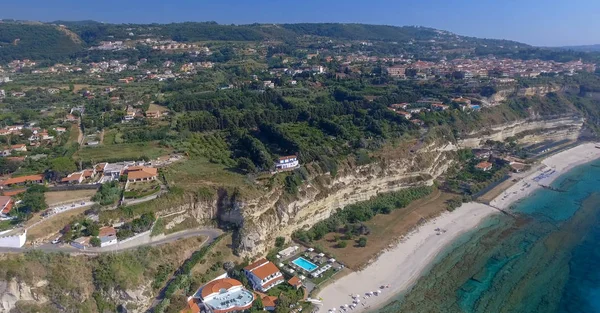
[484, 166]
[224, 295]
[263, 275]
[141, 173]
[287, 162]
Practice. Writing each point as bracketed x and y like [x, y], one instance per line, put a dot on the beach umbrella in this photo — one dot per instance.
[357, 296]
[357, 300]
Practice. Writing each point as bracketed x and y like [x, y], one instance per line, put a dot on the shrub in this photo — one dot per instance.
[362, 241]
[95, 242]
[279, 242]
[342, 244]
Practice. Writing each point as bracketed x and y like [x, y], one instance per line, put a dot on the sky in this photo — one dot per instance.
[535, 22]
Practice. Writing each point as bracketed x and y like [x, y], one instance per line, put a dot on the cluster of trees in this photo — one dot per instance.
[343, 219]
[33, 200]
[81, 228]
[136, 226]
[109, 193]
[37, 42]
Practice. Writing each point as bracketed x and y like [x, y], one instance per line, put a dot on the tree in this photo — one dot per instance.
[95, 242]
[34, 200]
[62, 166]
[228, 266]
[342, 244]
[245, 165]
[279, 242]
[362, 241]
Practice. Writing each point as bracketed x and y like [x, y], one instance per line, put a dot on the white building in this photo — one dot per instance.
[263, 275]
[14, 238]
[287, 162]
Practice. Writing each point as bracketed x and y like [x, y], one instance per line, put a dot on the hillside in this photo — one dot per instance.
[36, 41]
[39, 41]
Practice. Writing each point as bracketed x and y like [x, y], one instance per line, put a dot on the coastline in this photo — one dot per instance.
[401, 266]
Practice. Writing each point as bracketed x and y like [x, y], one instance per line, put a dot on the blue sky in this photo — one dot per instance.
[537, 22]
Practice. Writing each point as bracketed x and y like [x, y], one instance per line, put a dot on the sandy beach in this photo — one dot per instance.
[400, 267]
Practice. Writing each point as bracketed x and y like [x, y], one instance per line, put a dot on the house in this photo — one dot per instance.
[141, 173]
[417, 122]
[402, 106]
[484, 166]
[439, 107]
[60, 129]
[99, 168]
[269, 302]
[113, 170]
[81, 243]
[287, 162]
[263, 275]
[153, 114]
[21, 180]
[72, 118]
[406, 115]
[517, 167]
[225, 295]
[482, 153]
[19, 147]
[6, 204]
[73, 178]
[295, 282]
[396, 71]
[108, 236]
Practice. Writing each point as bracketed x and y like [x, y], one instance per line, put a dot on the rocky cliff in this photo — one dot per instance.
[504, 93]
[263, 219]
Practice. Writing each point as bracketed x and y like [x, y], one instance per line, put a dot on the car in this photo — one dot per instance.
[73, 205]
[82, 203]
[56, 241]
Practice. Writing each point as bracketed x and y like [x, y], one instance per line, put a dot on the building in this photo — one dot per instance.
[406, 115]
[19, 147]
[153, 114]
[263, 275]
[14, 238]
[439, 107]
[141, 173]
[396, 71]
[287, 162]
[73, 178]
[269, 302]
[21, 180]
[81, 243]
[484, 166]
[108, 236]
[295, 282]
[224, 295]
[6, 204]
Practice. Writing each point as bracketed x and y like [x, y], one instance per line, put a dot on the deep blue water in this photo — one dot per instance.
[546, 260]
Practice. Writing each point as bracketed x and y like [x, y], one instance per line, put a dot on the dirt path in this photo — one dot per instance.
[80, 136]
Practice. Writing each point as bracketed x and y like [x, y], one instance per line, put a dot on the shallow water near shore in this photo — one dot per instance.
[545, 260]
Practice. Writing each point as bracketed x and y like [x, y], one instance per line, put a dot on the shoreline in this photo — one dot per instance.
[400, 267]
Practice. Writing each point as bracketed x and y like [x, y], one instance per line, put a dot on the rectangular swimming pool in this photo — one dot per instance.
[305, 264]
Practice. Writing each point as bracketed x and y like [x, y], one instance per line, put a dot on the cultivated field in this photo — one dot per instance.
[125, 151]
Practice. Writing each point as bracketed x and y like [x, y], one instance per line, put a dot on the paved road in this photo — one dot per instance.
[210, 233]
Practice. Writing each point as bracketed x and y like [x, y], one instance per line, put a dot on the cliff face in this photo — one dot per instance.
[261, 220]
[503, 94]
[13, 291]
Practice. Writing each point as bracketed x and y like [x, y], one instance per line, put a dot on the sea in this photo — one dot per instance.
[546, 259]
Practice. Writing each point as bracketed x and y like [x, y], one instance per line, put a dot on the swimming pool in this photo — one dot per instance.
[305, 264]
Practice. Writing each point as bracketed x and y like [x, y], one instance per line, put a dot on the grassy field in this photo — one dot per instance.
[130, 151]
[386, 229]
[57, 197]
[49, 228]
[156, 107]
[73, 134]
[199, 172]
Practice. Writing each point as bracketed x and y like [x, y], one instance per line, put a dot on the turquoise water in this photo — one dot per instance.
[305, 264]
[545, 260]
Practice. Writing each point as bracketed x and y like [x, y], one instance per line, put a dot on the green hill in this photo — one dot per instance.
[36, 41]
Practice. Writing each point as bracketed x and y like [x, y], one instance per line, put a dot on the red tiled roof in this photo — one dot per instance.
[107, 231]
[295, 281]
[264, 271]
[11, 193]
[22, 179]
[217, 285]
[483, 165]
[146, 172]
[5, 204]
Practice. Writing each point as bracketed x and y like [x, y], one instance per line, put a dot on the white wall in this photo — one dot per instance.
[14, 241]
